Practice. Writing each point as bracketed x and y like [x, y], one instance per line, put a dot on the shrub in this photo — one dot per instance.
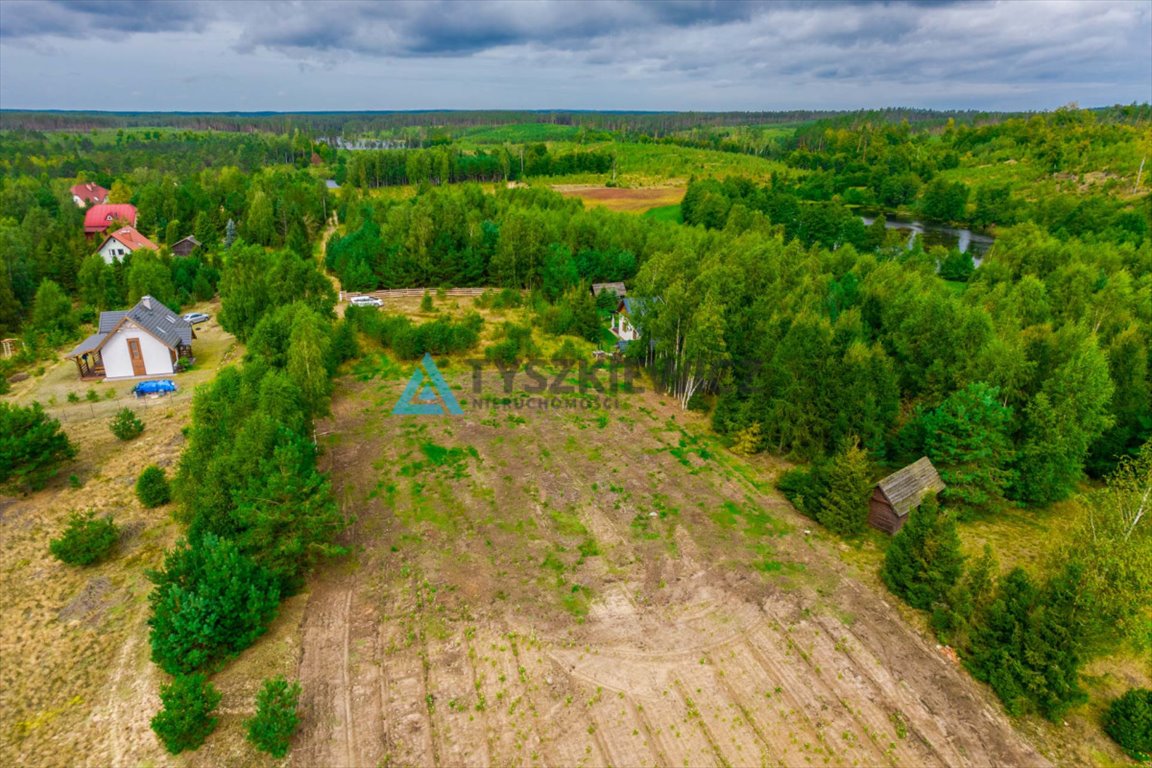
[803, 488]
[32, 445]
[86, 540]
[210, 601]
[517, 345]
[185, 720]
[276, 719]
[1128, 721]
[426, 303]
[73, 397]
[923, 560]
[125, 425]
[92, 395]
[152, 487]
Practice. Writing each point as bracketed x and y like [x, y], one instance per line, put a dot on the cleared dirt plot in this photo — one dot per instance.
[587, 587]
[636, 200]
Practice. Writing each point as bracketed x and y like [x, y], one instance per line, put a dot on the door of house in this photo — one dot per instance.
[137, 358]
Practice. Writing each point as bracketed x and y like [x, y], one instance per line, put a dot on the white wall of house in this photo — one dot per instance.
[118, 363]
[622, 328]
[114, 250]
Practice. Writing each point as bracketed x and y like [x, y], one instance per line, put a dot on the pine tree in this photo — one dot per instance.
[997, 653]
[968, 439]
[844, 506]
[186, 719]
[210, 601]
[276, 719]
[923, 562]
[32, 446]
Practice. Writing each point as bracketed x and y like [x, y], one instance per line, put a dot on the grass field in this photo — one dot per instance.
[521, 134]
[666, 213]
[643, 165]
[622, 200]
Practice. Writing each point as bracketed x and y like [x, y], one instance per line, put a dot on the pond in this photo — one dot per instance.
[937, 234]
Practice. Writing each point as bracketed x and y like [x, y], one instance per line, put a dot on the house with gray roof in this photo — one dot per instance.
[895, 496]
[147, 340]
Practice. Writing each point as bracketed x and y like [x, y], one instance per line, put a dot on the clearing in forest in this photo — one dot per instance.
[588, 587]
[636, 200]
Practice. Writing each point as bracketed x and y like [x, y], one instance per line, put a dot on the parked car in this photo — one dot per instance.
[365, 301]
[196, 317]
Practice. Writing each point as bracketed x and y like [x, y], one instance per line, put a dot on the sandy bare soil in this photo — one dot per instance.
[603, 588]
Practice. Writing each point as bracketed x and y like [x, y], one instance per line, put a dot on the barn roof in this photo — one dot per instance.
[616, 288]
[906, 487]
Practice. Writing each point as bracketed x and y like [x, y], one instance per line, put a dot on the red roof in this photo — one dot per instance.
[99, 217]
[131, 239]
[90, 193]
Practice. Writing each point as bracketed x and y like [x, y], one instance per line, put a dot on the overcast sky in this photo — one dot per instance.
[517, 54]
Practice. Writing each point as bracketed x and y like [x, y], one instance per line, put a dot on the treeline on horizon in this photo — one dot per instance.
[655, 123]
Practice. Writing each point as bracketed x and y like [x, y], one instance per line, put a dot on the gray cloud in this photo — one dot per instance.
[510, 53]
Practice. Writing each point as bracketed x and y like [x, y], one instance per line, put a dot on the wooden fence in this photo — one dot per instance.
[86, 410]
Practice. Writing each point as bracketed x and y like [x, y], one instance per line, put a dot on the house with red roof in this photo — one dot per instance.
[88, 194]
[122, 242]
[101, 217]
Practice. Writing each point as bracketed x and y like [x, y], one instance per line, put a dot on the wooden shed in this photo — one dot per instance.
[895, 496]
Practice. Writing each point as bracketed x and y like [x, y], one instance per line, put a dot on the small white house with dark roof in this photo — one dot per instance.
[147, 340]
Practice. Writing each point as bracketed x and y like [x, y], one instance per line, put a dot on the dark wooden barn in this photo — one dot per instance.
[185, 247]
[895, 496]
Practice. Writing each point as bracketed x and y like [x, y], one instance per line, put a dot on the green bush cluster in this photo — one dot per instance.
[152, 487]
[442, 336]
[86, 540]
[835, 491]
[126, 425]
[271, 729]
[1129, 722]
[186, 720]
[258, 510]
[32, 446]
[515, 346]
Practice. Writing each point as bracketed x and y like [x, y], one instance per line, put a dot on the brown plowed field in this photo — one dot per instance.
[585, 588]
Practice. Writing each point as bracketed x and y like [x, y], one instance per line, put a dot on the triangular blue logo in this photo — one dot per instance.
[427, 394]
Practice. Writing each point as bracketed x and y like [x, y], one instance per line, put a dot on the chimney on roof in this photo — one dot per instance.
[146, 301]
